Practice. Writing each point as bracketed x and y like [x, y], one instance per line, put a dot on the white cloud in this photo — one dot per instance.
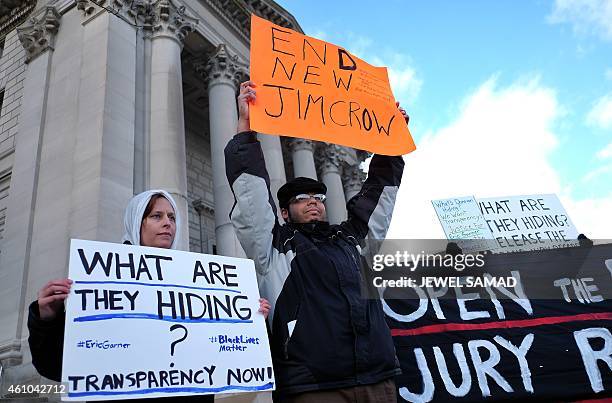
[591, 216]
[605, 152]
[601, 113]
[319, 34]
[358, 45]
[592, 17]
[404, 83]
[500, 144]
[596, 173]
[403, 77]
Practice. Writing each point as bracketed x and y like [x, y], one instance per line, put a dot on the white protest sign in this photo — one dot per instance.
[521, 223]
[461, 220]
[149, 322]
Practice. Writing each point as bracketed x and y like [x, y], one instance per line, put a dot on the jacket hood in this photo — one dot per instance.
[135, 210]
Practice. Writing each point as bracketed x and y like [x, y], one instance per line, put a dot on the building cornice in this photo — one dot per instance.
[13, 13]
[273, 12]
[237, 13]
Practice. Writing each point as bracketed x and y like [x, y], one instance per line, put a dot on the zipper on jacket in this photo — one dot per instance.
[286, 348]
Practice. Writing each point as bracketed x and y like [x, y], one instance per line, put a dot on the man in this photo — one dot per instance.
[328, 342]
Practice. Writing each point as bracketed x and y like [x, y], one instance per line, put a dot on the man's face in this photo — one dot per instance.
[304, 209]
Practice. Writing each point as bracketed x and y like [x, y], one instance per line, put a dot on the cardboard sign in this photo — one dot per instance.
[547, 338]
[462, 221]
[521, 223]
[150, 322]
[313, 89]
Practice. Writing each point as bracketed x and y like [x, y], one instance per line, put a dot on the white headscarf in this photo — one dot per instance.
[135, 210]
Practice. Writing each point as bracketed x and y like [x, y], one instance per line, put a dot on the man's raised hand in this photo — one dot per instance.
[403, 111]
[246, 96]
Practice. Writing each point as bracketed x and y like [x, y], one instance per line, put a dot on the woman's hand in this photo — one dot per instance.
[51, 298]
[264, 307]
[247, 95]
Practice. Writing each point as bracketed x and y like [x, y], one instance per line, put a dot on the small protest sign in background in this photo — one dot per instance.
[521, 223]
[314, 89]
[506, 224]
[149, 322]
[462, 221]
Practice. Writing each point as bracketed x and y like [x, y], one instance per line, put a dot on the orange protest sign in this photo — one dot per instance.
[316, 90]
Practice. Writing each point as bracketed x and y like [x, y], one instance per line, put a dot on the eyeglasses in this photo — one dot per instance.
[305, 197]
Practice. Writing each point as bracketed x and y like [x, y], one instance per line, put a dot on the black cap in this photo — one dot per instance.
[298, 186]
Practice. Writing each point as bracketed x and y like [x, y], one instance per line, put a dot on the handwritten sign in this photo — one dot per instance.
[149, 322]
[313, 89]
[547, 337]
[462, 221]
[521, 223]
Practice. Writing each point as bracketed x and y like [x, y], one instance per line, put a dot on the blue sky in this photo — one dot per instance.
[505, 97]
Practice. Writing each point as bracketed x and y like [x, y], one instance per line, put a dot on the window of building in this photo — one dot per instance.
[1, 46]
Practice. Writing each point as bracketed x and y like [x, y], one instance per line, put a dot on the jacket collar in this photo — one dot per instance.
[318, 229]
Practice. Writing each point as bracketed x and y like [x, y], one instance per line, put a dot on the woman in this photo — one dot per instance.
[150, 220]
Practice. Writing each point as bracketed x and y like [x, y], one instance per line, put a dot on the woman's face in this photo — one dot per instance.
[159, 226]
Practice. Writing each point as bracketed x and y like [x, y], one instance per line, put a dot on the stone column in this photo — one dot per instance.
[167, 160]
[224, 73]
[103, 157]
[302, 156]
[352, 179]
[273, 155]
[329, 159]
[37, 37]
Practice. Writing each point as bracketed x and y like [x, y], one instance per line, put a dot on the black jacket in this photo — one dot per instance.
[325, 335]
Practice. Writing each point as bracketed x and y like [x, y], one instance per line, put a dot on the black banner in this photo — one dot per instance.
[499, 343]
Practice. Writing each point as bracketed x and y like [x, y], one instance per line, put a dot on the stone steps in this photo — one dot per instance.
[22, 398]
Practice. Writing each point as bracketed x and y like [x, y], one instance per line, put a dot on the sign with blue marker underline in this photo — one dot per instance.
[150, 322]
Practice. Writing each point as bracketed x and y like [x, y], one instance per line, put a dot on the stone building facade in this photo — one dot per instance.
[101, 99]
